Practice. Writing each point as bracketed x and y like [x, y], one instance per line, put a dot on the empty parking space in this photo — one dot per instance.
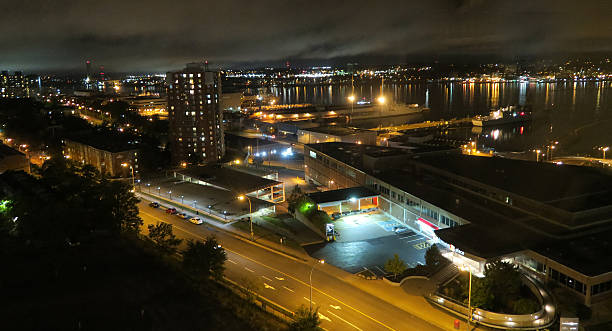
[367, 241]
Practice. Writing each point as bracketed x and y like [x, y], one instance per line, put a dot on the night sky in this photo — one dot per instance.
[156, 35]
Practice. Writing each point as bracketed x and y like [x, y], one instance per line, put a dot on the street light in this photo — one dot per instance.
[381, 99]
[310, 277]
[242, 197]
[170, 194]
[132, 169]
[159, 190]
[604, 150]
[149, 187]
[182, 199]
[469, 317]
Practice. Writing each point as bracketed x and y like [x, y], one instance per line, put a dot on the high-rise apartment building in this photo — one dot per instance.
[14, 86]
[195, 115]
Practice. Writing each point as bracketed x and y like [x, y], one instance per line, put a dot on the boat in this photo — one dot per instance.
[504, 115]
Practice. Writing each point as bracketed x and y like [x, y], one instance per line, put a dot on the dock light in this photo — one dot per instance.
[381, 99]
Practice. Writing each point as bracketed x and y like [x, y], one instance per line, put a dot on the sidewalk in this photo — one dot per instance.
[409, 297]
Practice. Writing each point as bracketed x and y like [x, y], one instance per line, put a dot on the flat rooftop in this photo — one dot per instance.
[337, 130]
[498, 230]
[572, 188]
[353, 153]
[8, 151]
[229, 179]
[202, 196]
[342, 194]
[107, 140]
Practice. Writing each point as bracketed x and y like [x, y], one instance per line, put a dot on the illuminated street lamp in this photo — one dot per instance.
[604, 150]
[182, 199]
[242, 197]
[310, 277]
[469, 317]
[381, 99]
[537, 151]
[132, 169]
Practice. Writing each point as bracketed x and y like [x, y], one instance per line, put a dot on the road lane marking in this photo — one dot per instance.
[288, 289]
[234, 262]
[247, 269]
[323, 317]
[305, 298]
[335, 307]
[269, 286]
[343, 320]
[266, 278]
[280, 278]
[288, 276]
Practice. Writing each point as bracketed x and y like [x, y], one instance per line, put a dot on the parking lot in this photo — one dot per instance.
[367, 241]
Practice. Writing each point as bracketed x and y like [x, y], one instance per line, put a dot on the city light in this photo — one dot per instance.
[381, 99]
[351, 98]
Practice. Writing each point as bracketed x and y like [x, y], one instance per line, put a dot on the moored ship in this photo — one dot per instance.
[505, 115]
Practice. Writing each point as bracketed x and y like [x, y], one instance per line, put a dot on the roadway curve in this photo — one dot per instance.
[284, 280]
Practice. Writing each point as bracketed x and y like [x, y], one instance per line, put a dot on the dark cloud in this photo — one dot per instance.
[158, 35]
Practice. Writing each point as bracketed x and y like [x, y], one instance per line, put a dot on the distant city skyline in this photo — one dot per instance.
[159, 36]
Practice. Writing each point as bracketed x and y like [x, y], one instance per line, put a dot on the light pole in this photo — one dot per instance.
[242, 197]
[170, 194]
[159, 191]
[469, 317]
[604, 150]
[149, 187]
[194, 204]
[132, 169]
[310, 277]
[182, 199]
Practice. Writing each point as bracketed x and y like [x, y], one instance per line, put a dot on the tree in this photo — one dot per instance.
[162, 236]
[396, 266]
[205, 259]
[482, 296]
[433, 257]
[504, 281]
[305, 320]
[294, 197]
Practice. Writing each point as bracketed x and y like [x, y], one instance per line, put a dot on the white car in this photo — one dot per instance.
[195, 220]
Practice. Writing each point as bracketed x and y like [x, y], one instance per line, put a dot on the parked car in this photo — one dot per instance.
[195, 220]
[336, 215]
[154, 204]
[171, 211]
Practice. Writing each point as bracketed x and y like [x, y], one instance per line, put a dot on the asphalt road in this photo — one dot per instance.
[284, 280]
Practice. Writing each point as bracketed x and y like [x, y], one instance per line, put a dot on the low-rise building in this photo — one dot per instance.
[148, 106]
[336, 134]
[111, 154]
[12, 159]
[554, 221]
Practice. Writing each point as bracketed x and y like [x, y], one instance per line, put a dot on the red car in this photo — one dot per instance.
[171, 211]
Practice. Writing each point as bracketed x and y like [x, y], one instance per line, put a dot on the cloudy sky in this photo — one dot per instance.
[131, 35]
